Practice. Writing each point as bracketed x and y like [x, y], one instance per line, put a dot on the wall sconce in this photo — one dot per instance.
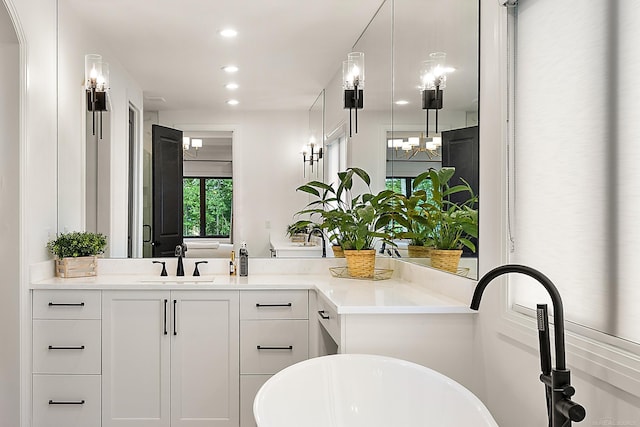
[188, 142]
[96, 77]
[353, 84]
[311, 154]
[433, 78]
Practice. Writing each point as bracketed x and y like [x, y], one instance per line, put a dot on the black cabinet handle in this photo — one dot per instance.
[323, 315]
[288, 304]
[271, 347]
[165, 316]
[66, 402]
[72, 347]
[66, 304]
[175, 315]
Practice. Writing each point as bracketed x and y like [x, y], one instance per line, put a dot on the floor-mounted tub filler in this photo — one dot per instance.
[358, 390]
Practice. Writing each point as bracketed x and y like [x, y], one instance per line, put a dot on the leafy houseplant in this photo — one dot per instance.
[76, 253]
[412, 215]
[351, 221]
[454, 224]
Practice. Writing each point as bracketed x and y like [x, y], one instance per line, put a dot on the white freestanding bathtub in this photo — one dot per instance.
[358, 390]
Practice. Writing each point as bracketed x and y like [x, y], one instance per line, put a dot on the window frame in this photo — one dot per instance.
[203, 208]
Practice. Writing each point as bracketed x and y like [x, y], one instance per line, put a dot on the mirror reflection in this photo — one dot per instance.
[278, 110]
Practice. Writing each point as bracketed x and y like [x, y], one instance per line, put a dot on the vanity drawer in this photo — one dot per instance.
[66, 400]
[328, 318]
[267, 346]
[66, 304]
[67, 347]
[286, 304]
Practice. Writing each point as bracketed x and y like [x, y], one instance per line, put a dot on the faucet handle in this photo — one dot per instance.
[164, 269]
[196, 272]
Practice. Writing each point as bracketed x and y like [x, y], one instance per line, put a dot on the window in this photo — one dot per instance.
[405, 185]
[207, 207]
[575, 203]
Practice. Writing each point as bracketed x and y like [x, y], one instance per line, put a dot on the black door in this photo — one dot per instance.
[460, 150]
[167, 190]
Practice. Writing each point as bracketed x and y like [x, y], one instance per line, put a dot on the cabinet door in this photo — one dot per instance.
[135, 358]
[205, 359]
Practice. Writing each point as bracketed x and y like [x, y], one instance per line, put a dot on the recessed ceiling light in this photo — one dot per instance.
[228, 33]
[402, 102]
[231, 86]
[233, 102]
[230, 68]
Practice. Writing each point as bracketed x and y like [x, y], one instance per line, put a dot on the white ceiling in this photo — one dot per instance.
[287, 50]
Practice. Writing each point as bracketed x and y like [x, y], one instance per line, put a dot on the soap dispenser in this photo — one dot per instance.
[244, 260]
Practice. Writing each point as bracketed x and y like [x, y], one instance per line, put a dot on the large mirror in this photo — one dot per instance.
[427, 35]
[279, 108]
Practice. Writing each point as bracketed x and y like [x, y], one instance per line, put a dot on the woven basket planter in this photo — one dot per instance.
[446, 259]
[83, 266]
[298, 238]
[337, 251]
[361, 263]
[419, 251]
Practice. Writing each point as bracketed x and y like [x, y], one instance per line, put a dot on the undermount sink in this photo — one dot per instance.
[178, 279]
[303, 244]
[358, 390]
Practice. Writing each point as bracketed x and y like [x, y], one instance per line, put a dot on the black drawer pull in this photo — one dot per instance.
[66, 304]
[273, 305]
[66, 402]
[270, 347]
[57, 347]
[165, 316]
[323, 315]
[175, 316]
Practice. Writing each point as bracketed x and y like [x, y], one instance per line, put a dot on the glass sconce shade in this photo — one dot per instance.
[185, 142]
[196, 143]
[96, 73]
[353, 71]
[92, 69]
[433, 72]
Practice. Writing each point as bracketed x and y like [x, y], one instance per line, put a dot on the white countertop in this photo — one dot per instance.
[350, 296]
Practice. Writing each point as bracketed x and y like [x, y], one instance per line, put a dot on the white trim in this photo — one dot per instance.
[235, 172]
[23, 270]
[137, 228]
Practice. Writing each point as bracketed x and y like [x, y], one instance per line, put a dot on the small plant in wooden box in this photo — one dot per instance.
[76, 253]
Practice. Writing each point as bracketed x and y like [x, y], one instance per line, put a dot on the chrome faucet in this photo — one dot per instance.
[180, 250]
[560, 408]
[324, 245]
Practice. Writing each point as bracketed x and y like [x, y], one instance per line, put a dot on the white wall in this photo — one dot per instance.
[508, 370]
[267, 168]
[9, 223]
[34, 21]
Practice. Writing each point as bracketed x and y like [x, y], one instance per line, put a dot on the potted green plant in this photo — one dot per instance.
[352, 221]
[454, 224]
[412, 219]
[76, 253]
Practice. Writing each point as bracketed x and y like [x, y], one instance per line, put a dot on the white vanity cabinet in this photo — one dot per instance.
[274, 333]
[66, 358]
[170, 358]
